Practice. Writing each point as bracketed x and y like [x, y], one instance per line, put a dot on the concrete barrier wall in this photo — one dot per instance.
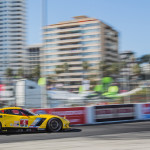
[101, 113]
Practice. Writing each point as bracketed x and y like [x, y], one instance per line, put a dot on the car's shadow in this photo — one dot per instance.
[38, 132]
[72, 130]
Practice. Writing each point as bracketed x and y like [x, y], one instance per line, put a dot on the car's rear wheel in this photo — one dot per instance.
[54, 125]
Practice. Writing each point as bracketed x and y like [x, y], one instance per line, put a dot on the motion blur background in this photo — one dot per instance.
[99, 57]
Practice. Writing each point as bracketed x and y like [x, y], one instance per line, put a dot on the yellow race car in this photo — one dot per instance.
[18, 118]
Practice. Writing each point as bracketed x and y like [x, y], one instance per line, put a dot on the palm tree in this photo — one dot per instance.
[144, 59]
[9, 72]
[58, 69]
[85, 67]
[116, 68]
[65, 67]
[51, 79]
[36, 72]
[20, 72]
[104, 69]
[136, 70]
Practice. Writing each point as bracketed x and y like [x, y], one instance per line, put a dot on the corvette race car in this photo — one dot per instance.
[18, 118]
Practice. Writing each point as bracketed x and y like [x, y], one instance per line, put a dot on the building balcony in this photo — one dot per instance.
[70, 46]
[69, 35]
[69, 40]
[69, 29]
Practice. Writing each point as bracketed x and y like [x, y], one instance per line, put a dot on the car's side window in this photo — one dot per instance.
[7, 111]
[12, 112]
[16, 112]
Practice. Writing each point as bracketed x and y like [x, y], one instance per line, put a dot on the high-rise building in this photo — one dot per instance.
[12, 35]
[80, 42]
[32, 58]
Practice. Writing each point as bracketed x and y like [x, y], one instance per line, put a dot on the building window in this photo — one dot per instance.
[90, 36]
[90, 30]
[90, 25]
[90, 42]
[49, 29]
[90, 53]
[90, 59]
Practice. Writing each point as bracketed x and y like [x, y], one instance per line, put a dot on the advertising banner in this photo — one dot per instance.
[76, 115]
[114, 112]
[144, 111]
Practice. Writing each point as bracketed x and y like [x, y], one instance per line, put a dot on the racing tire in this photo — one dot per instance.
[54, 125]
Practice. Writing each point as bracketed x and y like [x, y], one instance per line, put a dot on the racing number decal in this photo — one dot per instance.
[24, 123]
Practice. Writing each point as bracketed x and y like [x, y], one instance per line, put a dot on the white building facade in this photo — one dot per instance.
[74, 42]
[12, 35]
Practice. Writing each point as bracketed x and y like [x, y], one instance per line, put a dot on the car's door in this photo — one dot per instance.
[34, 121]
[2, 118]
[14, 118]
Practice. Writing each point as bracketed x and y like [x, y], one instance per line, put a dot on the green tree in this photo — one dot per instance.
[58, 69]
[20, 72]
[65, 67]
[115, 68]
[9, 72]
[136, 70]
[51, 78]
[110, 69]
[85, 66]
[104, 69]
[36, 72]
[141, 60]
[29, 76]
[144, 59]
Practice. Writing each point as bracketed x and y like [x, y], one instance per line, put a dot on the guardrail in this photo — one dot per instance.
[100, 113]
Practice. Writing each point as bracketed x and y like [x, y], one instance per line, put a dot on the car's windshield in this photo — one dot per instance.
[27, 112]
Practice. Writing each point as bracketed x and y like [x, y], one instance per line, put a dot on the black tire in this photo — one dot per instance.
[54, 125]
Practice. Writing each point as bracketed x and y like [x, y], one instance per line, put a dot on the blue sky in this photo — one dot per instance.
[130, 17]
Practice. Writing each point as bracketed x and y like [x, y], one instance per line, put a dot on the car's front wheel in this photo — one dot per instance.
[54, 125]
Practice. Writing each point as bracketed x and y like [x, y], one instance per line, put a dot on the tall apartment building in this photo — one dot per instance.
[32, 58]
[82, 39]
[12, 34]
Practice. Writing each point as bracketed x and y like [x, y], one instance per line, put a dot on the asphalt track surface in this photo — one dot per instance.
[80, 131]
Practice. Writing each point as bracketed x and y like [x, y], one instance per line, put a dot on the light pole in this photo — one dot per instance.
[44, 23]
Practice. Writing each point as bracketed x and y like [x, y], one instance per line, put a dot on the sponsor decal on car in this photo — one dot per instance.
[24, 123]
[16, 124]
[37, 122]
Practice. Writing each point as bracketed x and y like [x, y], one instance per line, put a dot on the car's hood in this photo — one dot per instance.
[47, 115]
